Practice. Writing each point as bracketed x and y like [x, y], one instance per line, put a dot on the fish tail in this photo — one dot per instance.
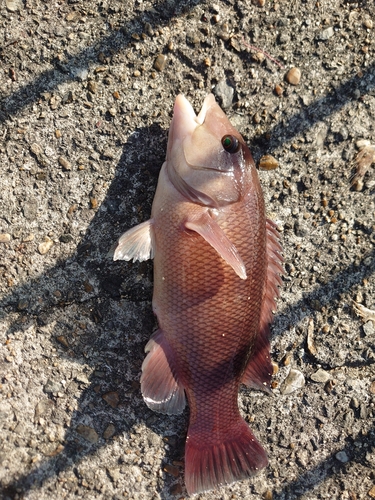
[237, 457]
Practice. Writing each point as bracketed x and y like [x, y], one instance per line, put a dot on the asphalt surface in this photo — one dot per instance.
[86, 96]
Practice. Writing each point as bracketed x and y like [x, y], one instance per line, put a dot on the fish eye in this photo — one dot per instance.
[230, 143]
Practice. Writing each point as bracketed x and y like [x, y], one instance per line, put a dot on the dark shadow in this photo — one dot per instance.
[118, 346]
[160, 15]
[355, 450]
[116, 281]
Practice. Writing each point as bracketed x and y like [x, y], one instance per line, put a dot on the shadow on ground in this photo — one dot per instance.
[118, 282]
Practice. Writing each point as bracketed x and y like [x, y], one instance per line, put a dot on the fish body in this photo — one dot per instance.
[216, 270]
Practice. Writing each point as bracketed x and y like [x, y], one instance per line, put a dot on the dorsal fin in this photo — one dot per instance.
[258, 372]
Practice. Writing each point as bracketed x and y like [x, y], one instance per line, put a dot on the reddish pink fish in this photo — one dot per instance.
[216, 274]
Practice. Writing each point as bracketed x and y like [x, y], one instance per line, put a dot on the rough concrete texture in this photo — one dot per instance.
[87, 90]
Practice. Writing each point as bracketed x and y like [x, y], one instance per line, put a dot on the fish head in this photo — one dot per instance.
[207, 159]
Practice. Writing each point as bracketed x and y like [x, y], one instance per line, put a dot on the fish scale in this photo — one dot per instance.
[216, 271]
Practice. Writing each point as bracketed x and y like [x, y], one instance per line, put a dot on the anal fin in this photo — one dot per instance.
[160, 387]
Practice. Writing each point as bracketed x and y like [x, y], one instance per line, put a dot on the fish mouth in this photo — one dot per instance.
[199, 137]
[207, 104]
[184, 113]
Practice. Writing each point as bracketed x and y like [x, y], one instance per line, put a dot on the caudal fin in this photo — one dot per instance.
[209, 466]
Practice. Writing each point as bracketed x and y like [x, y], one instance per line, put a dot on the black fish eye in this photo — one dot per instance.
[230, 143]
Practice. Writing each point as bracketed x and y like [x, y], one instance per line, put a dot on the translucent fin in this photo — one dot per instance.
[215, 236]
[258, 372]
[136, 244]
[160, 387]
[238, 457]
[259, 369]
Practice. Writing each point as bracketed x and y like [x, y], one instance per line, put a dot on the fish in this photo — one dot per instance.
[217, 272]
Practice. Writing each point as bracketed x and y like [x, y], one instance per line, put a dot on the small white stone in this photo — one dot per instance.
[45, 246]
[342, 457]
[14, 5]
[294, 381]
[320, 376]
[5, 237]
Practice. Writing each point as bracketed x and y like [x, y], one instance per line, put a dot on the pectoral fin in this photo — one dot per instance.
[137, 243]
[210, 230]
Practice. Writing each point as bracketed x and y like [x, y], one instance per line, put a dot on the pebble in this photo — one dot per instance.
[92, 87]
[368, 328]
[66, 165]
[45, 246]
[94, 203]
[171, 469]
[109, 431]
[224, 92]
[268, 162]
[371, 492]
[72, 16]
[372, 387]
[112, 398]
[293, 76]
[234, 43]
[114, 474]
[342, 457]
[5, 237]
[40, 156]
[279, 90]
[81, 74]
[192, 38]
[52, 387]
[88, 433]
[175, 489]
[326, 34]
[66, 238]
[294, 381]
[320, 376]
[310, 338]
[258, 57]
[22, 305]
[160, 62]
[14, 5]
[61, 339]
[28, 238]
[368, 23]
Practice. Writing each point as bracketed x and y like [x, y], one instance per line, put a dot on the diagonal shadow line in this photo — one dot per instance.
[291, 126]
[356, 453]
[160, 14]
[329, 293]
[325, 106]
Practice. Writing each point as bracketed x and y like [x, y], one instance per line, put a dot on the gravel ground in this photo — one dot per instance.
[87, 90]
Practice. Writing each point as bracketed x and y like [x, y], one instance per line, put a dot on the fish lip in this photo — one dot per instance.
[207, 104]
